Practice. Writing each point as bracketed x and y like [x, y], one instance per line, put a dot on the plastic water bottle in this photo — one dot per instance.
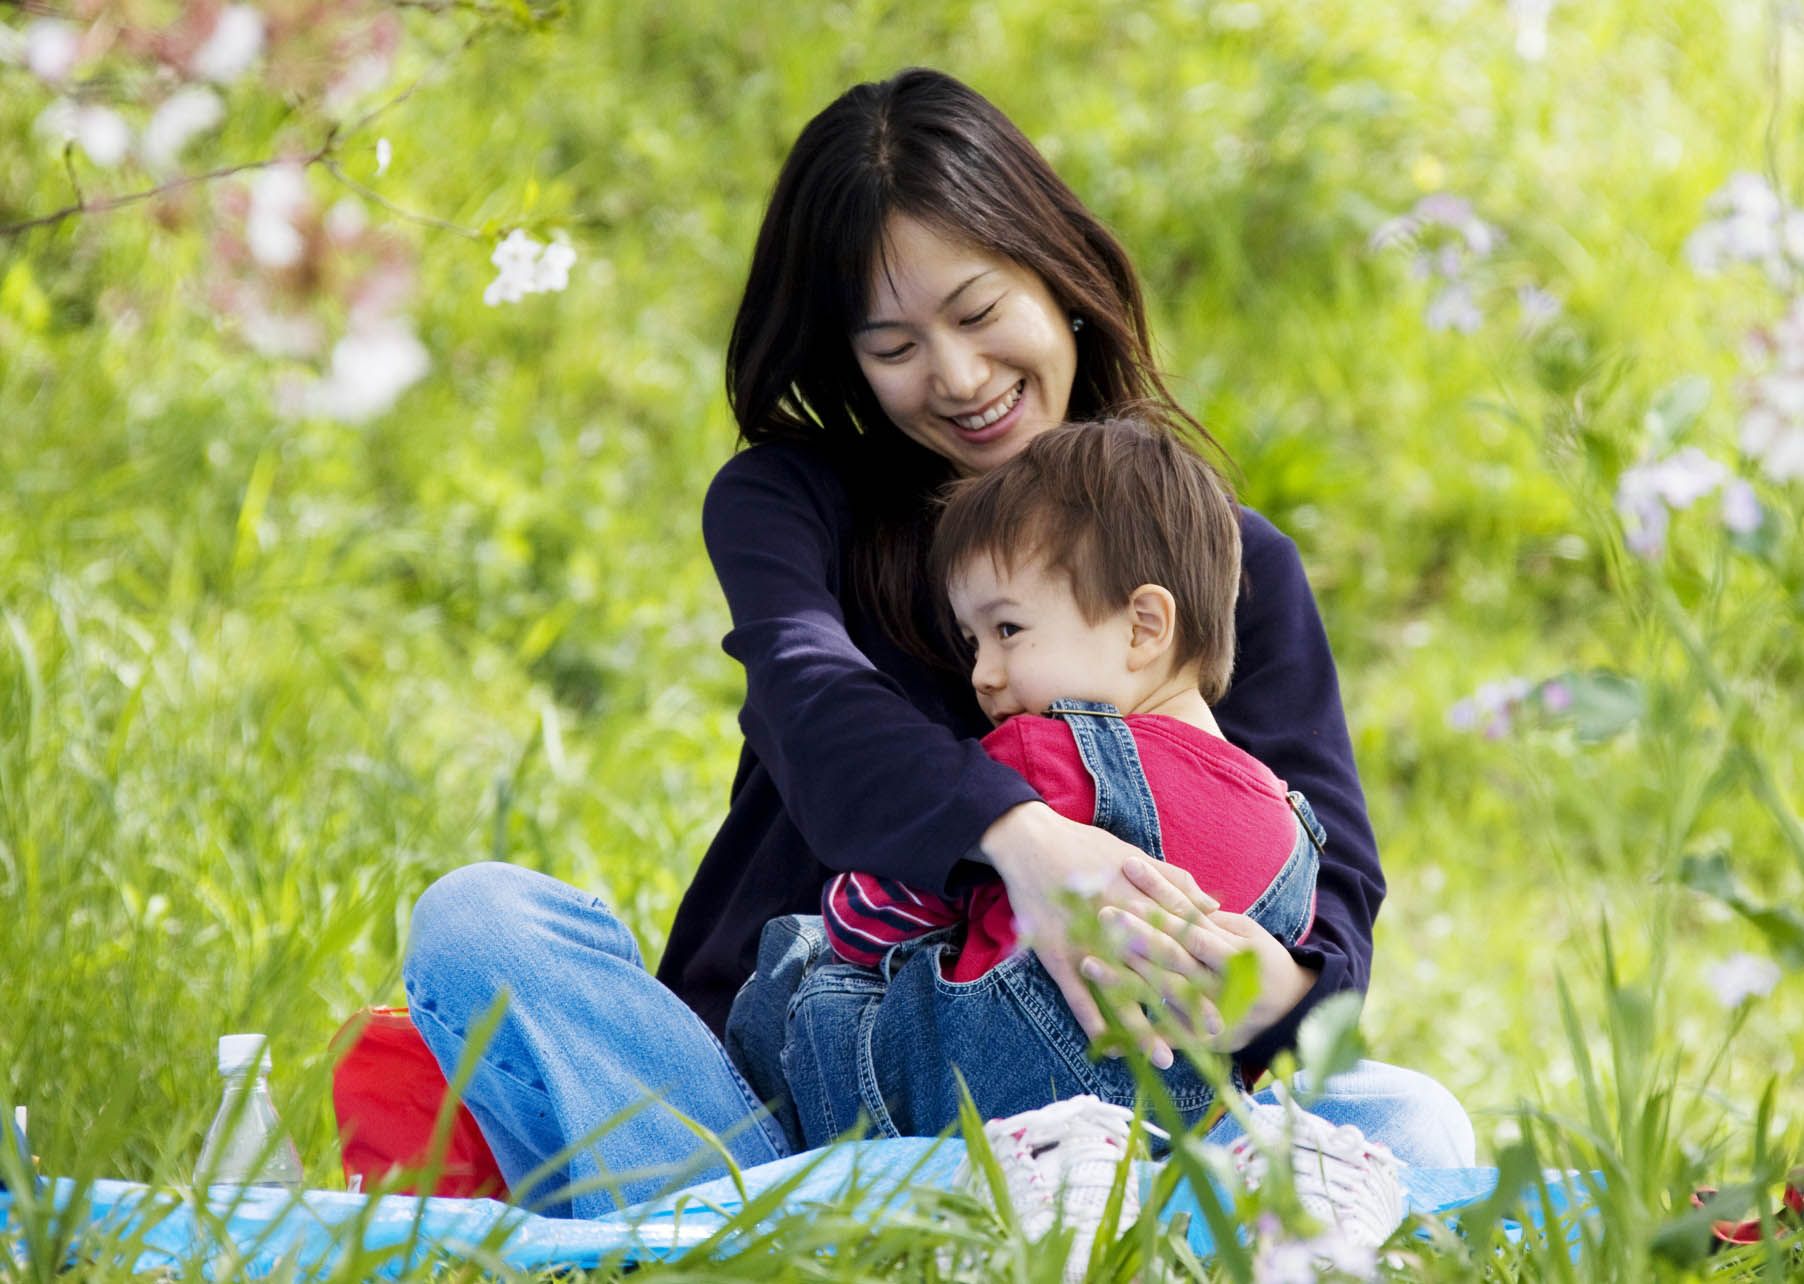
[247, 1145]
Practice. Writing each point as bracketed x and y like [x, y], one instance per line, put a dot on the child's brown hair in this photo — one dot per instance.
[1111, 505]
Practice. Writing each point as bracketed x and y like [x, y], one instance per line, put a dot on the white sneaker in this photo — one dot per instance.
[1059, 1164]
[1345, 1181]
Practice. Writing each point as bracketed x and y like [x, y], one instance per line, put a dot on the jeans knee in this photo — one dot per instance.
[451, 942]
[1433, 1131]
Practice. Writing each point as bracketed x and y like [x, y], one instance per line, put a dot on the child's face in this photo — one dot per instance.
[1033, 644]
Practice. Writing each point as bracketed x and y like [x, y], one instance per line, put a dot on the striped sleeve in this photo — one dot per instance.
[865, 914]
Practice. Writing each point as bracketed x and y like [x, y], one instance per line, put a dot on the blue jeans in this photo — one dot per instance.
[588, 1034]
[882, 1044]
[589, 1038]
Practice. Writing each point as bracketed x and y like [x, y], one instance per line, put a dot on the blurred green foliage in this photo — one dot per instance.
[264, 675]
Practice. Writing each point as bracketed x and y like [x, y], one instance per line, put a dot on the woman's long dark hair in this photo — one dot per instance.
[924, 145]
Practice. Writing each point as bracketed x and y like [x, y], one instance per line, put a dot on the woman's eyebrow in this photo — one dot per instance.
[948, 301]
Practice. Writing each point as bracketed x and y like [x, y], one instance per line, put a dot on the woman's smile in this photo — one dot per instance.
[996, 418]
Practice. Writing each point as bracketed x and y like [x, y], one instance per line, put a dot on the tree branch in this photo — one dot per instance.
[321, 155]
[371, 195]
[110, 203]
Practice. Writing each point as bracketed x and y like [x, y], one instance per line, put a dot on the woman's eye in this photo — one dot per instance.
[980, 317]
[893, 354]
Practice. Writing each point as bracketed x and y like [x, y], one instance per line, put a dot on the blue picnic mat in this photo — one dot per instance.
[257, 1232]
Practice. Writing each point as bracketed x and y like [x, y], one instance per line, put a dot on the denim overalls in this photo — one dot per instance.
[829, 1041]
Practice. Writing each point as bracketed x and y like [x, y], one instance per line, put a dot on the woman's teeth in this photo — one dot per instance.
[972, 423]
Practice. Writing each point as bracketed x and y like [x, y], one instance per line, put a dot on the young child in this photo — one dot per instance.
[1093, 579]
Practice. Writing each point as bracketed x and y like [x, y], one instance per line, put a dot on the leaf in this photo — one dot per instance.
[1781, 925]
[22, 300]
[1328, 1041]
[1675, 409]
[1603, 704]
[1239, 989]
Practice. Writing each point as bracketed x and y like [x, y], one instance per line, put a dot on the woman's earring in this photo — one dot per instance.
[1077, 323]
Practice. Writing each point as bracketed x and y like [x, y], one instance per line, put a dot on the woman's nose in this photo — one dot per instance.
[959, 370]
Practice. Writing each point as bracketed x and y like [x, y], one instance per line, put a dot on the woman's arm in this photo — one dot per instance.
[870, 780]
[1284, 708]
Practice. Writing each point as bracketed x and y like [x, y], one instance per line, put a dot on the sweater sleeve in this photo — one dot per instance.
[870, 781]
[864, 915]
[1284, 708]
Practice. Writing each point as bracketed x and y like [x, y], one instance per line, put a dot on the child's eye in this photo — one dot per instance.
[979, 317]
[1006, 631]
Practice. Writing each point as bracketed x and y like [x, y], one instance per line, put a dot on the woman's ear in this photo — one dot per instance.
[1153, 614]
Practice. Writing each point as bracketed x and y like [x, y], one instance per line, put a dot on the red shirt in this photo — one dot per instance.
[1223, 816]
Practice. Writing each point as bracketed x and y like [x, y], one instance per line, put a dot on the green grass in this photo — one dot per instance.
[262, 678]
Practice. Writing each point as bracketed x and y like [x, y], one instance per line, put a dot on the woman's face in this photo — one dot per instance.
[967, 353]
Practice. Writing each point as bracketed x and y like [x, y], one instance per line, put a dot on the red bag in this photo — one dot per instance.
[386, 1091]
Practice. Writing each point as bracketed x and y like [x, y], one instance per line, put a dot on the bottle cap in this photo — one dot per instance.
[239, 1052]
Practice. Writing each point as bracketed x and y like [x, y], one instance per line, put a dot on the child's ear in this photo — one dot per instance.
[1153, 613]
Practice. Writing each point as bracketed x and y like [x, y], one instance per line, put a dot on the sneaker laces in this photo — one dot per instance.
[1058, 1165]
[1343, 1179]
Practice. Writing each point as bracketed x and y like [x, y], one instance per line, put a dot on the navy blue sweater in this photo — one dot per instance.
[858, 756]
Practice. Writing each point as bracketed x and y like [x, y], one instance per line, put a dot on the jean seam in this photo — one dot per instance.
[483, 1062]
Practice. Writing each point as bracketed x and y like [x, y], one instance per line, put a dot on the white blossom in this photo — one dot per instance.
[385, 152]
[1339, 1252]
[278, 197]
[1646, 492]
[1454, 308]
[100, 132]
[1277, 1260]
[1752, 224]
[1772, 425]
[364, 74]
[1742, 977]
[51, 47]
[103, 135]
[1537, 305]
[371, 367]
[525, 266]
[1490, 707]
[189, 112]
[1530, 17]
[1284, 1262]
[235, 44]
[346, 221]
[1741, 508]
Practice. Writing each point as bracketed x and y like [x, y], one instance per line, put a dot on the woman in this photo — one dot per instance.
[925, 297]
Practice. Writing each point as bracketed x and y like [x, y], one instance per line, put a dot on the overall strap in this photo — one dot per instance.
[1124, 801]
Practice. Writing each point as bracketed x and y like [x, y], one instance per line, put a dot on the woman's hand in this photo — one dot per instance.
[1178, 927]
[1043, 859]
